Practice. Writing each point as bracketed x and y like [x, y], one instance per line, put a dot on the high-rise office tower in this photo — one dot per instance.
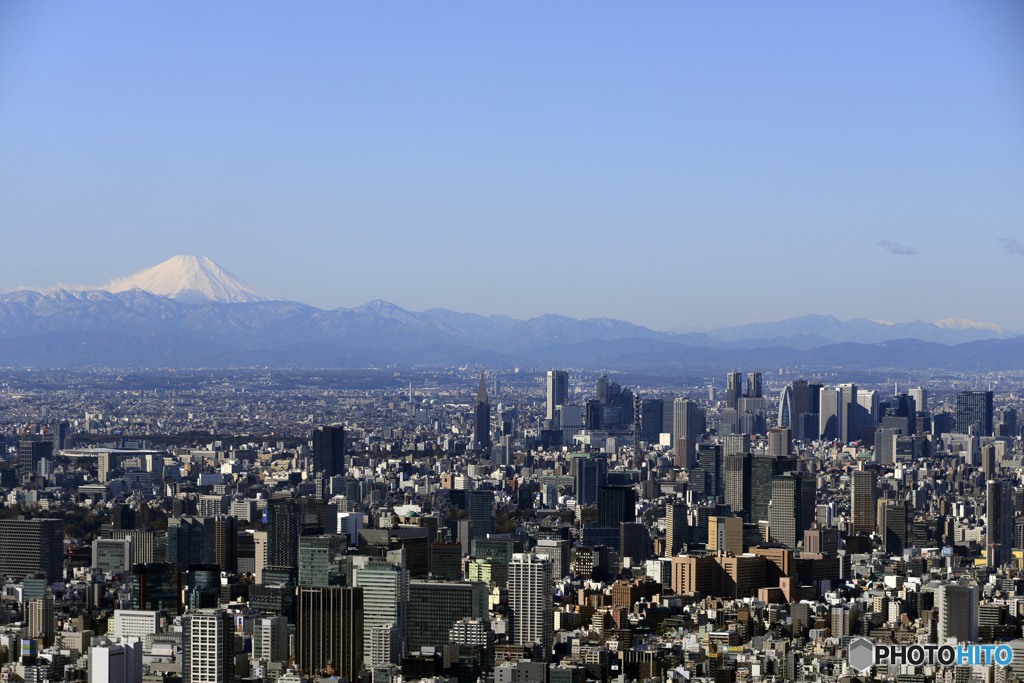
[677, 529]
[329, 451]
[738, 483]
[202, 586]
[385, 597]
[850, 427]
[792, 508]
[289, 519]
[270, 639]
[156, 587]
[651, 420]
[208, 647]
[988, 461]
[615, 504]
[920, 396]
[787, 408]
[435, 605]
[531, 609]
[799, 389]
[41, 622]
[225, 539]
[29, 546]
[725, 534]
[973, 407]
[191, 540]
[711, 461]
[780, 441]
[590, 475]
[763, 470]
[481, 511]
[999, 521]
[867, 411]
[894, 526]
[558, 390]
[754, 385]
[831, 415]
[330, 631]
[321, 559]
[121, 663]
[688, 423]
[633, 542]
[958, 613]
[30, 452]
[733, 388]
[482, 417]
[863, 501]
[668, 416]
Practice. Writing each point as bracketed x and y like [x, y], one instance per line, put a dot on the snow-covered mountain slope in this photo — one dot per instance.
[191, 278]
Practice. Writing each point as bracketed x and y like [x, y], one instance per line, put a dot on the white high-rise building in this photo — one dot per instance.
[558, 390]
[958, 613]
[208, 647]
[531, 608]
[120, 663]
[920, 396]
[385, 646]
[385, 599]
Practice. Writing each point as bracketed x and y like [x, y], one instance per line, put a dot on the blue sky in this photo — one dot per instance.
[665, 163]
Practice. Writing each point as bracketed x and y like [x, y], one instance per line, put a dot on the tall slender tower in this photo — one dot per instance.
[733, 389]
[482, 417]
[863, 501]
[530, 585]
[558, 390]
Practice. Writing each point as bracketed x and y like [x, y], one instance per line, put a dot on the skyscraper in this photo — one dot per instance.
[329, 451]
[28, 546]
[651, 419]
[330, 631]
[850, 426]
[208, 647]
[590, 475]
[973, 407]
[831, 415]
[894, 526]
[157, 588]
[799, 389]
[677, 530]
[385, 596]
[787, 408]
[481, 511]
[30, 452]
[958, 613]
[754, 384]
[41, 622]
[738, 484]
[920, 396]
[531, 608]
[999, 521]
[792, 514]
[615, 504]
[863, 501]
[734, 389]
[558, 390]
[289, 519]
[482, 417]
[763, 470]
[688, 423]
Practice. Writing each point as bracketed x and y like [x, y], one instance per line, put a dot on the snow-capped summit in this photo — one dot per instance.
[191, 278]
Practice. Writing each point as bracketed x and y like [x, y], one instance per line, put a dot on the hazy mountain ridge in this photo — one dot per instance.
[82, 328]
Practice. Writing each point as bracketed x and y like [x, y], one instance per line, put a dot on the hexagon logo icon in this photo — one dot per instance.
[860, 654]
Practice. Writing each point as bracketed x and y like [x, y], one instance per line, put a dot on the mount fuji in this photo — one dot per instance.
[191, 279]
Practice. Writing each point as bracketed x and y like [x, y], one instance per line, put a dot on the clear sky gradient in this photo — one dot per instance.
[669, 164]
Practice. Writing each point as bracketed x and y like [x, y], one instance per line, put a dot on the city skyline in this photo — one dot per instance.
[381, 153]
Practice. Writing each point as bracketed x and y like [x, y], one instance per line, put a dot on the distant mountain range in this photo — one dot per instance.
[189, 311]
